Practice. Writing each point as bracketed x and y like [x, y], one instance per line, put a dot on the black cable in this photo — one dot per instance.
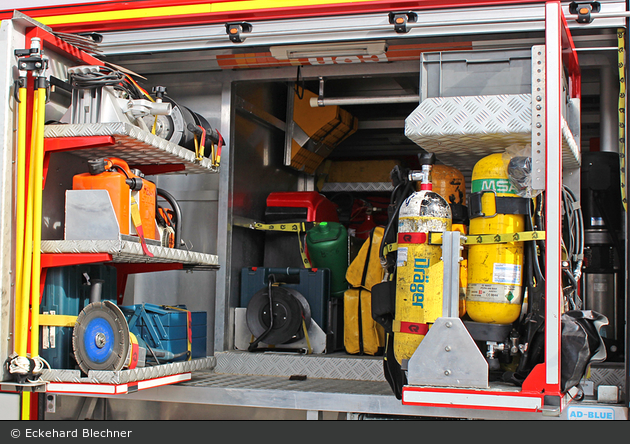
[105, 77]
[393, 220]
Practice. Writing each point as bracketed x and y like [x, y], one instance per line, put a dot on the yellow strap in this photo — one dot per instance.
[435, 238]
[57, 320]
[293, 227]
[188, 324]
[308, 341]
[622, 112]
[137, 223]
[305, 261]
[135, 213]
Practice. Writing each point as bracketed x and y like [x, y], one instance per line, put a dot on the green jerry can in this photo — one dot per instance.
[327, 247]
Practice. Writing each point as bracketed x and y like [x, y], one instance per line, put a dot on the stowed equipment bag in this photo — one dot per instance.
[362, 335]
[581, 345]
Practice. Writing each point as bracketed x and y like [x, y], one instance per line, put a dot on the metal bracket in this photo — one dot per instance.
[538, 148]
[400, 20]
[448, 357]
[451, 255]
[584, 10]
[235, 31]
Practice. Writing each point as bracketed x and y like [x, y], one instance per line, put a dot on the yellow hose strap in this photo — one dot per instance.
[622, 112]
[435, 238]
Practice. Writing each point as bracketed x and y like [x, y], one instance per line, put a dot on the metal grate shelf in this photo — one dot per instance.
[461, 130]
[131, 252]
[132, 144]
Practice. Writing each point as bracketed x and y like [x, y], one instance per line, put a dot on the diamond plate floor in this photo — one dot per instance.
[333, 366]
[209, 379]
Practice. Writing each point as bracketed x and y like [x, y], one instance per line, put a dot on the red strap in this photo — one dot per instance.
[412, 238]
[413, 328]
[189, 328]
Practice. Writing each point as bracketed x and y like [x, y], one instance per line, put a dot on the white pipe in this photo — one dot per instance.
[609, 121]
[315, 101]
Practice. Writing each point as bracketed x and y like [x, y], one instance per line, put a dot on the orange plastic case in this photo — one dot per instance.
[120, 194]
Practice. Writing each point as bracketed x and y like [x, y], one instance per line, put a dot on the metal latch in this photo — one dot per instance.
[400, 20]
[584, 10]
[235, 31]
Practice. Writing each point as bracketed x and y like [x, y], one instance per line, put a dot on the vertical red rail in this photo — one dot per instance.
[553, 190]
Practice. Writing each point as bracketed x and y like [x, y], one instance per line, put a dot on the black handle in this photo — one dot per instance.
[426, 158]
[178, 213]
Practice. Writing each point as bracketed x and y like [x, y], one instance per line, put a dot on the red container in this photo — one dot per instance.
[300, 206]
[120, 195]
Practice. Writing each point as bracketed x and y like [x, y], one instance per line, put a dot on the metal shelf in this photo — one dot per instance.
[124, 381]
[357, 187]
[128, 142]
[461, 130]
[129, 252]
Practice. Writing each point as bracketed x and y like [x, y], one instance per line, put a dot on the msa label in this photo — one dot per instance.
[576, 413]
[509, 274]
[496, 185]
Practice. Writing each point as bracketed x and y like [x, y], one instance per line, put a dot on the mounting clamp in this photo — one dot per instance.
[235, 31]
[584, 10]
[400, 20]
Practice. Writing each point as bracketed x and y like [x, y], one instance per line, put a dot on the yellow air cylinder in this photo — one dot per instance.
[449, 183]
[419, 269]
[495, 271]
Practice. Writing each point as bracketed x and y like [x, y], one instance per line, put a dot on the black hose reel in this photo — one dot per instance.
[277, 315]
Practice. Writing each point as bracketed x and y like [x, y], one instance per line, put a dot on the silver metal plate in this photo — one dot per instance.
[90, 215]
[461, 130]
[134, 145]
[346, 367]
[357, 187]
[448, 357]
[130, 252]
[124, 376]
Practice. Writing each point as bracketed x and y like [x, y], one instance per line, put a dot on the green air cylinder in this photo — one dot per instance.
[327, 246]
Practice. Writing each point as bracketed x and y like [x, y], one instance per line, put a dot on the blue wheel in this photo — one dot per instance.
[101, 337]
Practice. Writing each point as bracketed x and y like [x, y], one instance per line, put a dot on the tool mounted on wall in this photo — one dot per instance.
[101, 94]
[26, 364]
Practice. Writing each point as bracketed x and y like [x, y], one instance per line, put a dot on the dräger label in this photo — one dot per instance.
[506, 274]
[419, 279]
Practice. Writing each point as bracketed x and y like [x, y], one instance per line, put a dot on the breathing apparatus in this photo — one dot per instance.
[409, 299]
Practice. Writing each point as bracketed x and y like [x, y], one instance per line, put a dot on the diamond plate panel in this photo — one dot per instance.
[249, 382]
[314, 366]
[461, 130]
[130, 252]
[124, 376]
[608, 376]
[133, 144]
[357, 187]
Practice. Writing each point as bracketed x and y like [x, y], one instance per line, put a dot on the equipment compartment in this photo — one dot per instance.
[433, 96]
